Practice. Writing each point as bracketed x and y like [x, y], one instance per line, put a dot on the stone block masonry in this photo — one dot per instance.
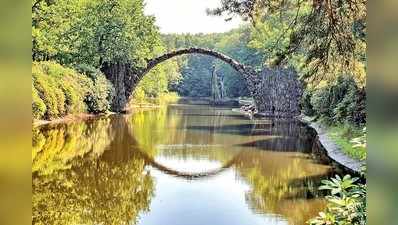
[276, 92]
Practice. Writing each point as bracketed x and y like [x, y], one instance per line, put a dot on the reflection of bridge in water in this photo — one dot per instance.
[288, 137]
[125, 137]
[187, 175]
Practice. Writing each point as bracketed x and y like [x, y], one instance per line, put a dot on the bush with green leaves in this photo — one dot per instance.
[347, 202]
[38, 105]
[49, 91]
[58, 91]
[305, 103]
[320, 101]
[341, 101]
[101, 92]
[99, 98]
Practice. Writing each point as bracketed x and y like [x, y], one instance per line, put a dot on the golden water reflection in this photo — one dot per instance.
[145, 168]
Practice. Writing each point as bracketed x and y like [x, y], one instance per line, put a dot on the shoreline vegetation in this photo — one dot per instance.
[145, 105]
[346, 137]
[332, 149]
[63, 95]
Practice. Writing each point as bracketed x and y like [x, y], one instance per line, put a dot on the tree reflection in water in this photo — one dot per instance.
[283, 184]
[95, 172]
[73, 183]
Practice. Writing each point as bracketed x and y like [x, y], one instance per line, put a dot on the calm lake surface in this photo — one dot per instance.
[177, 165]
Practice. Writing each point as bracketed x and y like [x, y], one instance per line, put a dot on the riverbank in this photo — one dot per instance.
[331, 148]
[139, 105]
[327, 144]
[86, 116]
[66, 119]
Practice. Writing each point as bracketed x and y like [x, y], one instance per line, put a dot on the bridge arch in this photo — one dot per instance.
[151, 63]
[276, 91]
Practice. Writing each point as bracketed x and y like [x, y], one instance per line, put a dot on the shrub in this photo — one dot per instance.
[74, 101]
[49, 92]
[340, 102]
[305, 103]
[344, 95]
[320, 102]
[87, 70]
[347, 202]
[102, 92]
[64, 91]
[38, 106]
[359, 115]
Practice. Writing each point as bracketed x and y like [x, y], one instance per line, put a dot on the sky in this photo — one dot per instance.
[188, 16]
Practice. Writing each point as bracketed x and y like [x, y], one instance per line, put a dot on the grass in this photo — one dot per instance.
[342, 135]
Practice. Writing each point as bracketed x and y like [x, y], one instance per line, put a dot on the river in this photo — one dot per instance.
[176, 165]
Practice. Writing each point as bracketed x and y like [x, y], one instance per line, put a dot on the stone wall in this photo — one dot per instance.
[278, 93]
[124, 80]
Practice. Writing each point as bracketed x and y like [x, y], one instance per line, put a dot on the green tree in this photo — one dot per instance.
[113, 36]
[326, 32]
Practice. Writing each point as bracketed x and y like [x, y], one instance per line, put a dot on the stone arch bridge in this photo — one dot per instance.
[276, 92]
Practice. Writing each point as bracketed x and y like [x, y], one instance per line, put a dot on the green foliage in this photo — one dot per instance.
[104, 22]
[101, 91]
[93, 32]
[58, 91]
[101, 94]
[52, 22]
[340, 105]
[235, 44]
[351, 139]
[320, 101]
[196, 71]
[49, 91]
[139, 96]
[361, 141]
[196, 81]
[305, 103]
[325, 33]
[157, 82]
[340, 101]
[88, 35]
[343, 136]
[347, 202]
[38, 105]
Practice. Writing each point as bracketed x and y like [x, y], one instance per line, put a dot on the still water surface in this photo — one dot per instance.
[177, 165]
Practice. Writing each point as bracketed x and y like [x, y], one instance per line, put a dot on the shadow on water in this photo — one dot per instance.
[281, 144]
[258, 127]
[107, 170]
[211, 115]
[237, 129]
